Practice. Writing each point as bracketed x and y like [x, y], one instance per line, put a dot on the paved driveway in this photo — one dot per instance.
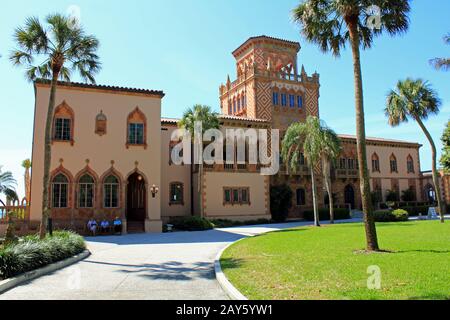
[143, 266]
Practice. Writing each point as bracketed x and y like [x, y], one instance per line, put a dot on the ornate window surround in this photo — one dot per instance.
[136, 116]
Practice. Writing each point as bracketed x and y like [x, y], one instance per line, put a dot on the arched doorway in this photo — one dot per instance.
[136, 202]
[349, 194]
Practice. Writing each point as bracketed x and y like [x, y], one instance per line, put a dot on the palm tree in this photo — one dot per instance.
[307, 137]
[209, 120]
[8, 185]
[442, 63]
[58, 48]
[26, 164]
[416, 100]
[329, 151]
[7, 188]
[333, 23]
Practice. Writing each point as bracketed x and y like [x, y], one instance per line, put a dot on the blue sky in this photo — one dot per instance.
[184, 48]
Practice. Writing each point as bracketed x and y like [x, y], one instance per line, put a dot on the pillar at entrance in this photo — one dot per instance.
[153, 226]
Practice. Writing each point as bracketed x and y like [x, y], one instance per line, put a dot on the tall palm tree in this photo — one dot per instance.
[209, 120]
[53, 51]
[333, 23]
[329, 151]
[26, 164]
[416, 100]
[442, 63]
[307, 137]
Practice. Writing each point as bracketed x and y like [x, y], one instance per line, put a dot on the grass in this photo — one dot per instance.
[327, 263]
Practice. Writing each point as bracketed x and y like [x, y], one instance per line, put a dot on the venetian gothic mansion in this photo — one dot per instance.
[111, 150]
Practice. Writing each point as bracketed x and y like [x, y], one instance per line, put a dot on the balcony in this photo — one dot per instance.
[346, 173]
[242, 167]
[302, 170]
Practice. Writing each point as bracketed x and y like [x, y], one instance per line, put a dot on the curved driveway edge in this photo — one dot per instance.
[10, 283]
[226, 285]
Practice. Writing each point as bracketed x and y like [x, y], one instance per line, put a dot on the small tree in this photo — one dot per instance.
[391, 196]
[408, 195]
[280, 202]
[417, 100]
[307, 137]
[209, 120]
[445, 159]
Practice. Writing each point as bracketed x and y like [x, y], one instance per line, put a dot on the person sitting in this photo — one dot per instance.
[117, 225]
[104, 225]
[92, 226]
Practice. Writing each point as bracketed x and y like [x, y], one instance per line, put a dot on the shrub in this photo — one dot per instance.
[280, 202]
[192, 224]
[400, 215]
[31, 253]
[324, 214]
[391, 216]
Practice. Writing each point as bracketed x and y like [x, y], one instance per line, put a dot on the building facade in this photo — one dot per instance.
[111, 150]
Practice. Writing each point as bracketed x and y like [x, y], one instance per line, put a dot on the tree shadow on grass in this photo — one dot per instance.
[230, 263]
[424, 251]
[432, 296]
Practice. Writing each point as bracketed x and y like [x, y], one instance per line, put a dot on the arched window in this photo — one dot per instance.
[393, 164]
[63, 123]
[299, 102]
[244, 101]
[239, 103]
[234, 105]
[176, 193]
[301, 199]
[230, 107]
[284, 99]
[100, 124]
[137, 129]
[111, 192]
[60, 191]
[375, 163]
[410, 164]
[275, 98]
[292, 101]
[86, 187]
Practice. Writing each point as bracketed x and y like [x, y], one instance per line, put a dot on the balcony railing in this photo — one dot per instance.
[346, 173]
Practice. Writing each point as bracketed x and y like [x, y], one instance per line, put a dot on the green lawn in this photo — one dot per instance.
[327, 263]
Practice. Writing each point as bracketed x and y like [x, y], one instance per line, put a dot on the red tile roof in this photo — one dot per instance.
[103, 87]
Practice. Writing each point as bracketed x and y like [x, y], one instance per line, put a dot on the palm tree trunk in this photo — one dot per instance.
[48, 157]
[27, 184]
[371, 232]
[316, 210]
[326, 178]
[437, 186]
[192, 179]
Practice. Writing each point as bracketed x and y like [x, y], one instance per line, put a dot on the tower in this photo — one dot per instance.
[268, 85]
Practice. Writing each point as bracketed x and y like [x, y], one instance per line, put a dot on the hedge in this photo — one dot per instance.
[414, 211]
[31, 253]
[191, 224]
[324, 214]
[225, 223]
[391, 216]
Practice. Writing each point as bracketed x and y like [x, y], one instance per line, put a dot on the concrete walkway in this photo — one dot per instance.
[144, 266]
